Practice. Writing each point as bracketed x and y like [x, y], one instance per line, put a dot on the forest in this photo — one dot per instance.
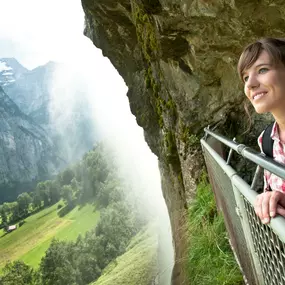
[93, 180]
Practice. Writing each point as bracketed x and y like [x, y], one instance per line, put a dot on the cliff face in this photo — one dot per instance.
[26, 152]
[40, 94]
[179, 59]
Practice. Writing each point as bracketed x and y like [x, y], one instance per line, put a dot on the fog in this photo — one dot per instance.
[104, 91]
[86, 79]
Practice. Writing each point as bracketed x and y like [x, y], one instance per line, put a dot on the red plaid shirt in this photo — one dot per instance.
[276, 183]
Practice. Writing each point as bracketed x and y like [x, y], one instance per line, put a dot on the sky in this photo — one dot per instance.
[36, 31]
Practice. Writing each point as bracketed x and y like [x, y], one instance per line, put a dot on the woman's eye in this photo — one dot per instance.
[245, 78]
[262, 70]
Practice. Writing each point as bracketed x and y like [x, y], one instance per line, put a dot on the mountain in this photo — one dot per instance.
[26, 151]
[10, 71]
[54, 97]
[30, 91]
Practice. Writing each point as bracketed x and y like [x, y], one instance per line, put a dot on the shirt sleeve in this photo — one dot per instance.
[266, 173]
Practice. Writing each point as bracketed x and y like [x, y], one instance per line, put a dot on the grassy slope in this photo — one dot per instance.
[30, 241]
[138, 266]
[211, 261]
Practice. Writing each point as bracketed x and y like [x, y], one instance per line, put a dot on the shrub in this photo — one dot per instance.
[21, 223]
[59, 206]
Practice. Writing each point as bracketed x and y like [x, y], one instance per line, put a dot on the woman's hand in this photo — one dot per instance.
[268, 204]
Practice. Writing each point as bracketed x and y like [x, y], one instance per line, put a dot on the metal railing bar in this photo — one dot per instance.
[251, 154]
[278, 223]
[230, 143]
[226, 168]
[264, 162]
[245, 189]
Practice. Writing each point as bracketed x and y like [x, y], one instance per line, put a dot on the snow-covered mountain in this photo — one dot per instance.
[10, 71]
[30, 90]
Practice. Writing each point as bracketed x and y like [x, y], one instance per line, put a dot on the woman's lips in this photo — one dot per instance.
[258, 95]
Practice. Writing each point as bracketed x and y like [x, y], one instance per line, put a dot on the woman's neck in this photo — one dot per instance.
[281, 126]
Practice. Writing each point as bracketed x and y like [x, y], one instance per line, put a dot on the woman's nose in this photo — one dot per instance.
[252, 82]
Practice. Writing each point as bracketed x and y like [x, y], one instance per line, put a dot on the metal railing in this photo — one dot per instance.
[259, 248]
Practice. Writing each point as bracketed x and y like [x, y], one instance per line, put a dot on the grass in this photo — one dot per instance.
[29, 242]
[210, 258]
[138, 266]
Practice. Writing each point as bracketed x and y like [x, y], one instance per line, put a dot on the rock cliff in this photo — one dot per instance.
[179, 59]
[41, 93]
[26, 152]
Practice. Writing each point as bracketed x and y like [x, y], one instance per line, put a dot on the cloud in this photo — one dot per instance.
[38, 31]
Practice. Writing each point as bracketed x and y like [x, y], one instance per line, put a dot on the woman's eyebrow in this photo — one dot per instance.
[263, 64]
[260, 64]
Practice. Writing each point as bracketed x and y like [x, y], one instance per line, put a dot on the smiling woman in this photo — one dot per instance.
[265, 77]
[262, 70]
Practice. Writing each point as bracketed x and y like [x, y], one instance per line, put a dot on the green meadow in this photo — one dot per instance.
[138, 265]
[30, 241]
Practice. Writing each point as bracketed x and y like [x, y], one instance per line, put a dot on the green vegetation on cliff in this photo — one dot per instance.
[210, 258]
[147, 40]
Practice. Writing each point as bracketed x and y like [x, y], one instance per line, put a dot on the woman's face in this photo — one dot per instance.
[264, 85]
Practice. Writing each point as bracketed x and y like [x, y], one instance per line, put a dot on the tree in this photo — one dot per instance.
[53, 187]
[24, 200]
[3, 215]
[6, 210]
[67, 194]
[109, 192]
[44, 193]
[57, 266]
[88, 267]
[116, 226]
[66, 176]
[14, 210]
[17, 273]
[112, 234]
[37, 200]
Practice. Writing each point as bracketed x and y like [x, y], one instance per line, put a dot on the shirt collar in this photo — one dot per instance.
[274, 133]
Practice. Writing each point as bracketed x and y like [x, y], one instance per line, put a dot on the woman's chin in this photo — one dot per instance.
[261, 109]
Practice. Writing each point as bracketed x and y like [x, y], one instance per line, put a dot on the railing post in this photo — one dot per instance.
[256, 177]
[230, 153]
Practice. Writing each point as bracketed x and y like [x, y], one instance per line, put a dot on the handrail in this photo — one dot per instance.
[251, 154]
[260, 249]
[278, 223]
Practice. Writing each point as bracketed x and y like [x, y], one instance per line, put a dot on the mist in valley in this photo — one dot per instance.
[88, 105]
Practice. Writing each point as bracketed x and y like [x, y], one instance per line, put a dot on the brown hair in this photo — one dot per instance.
[275, 47]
